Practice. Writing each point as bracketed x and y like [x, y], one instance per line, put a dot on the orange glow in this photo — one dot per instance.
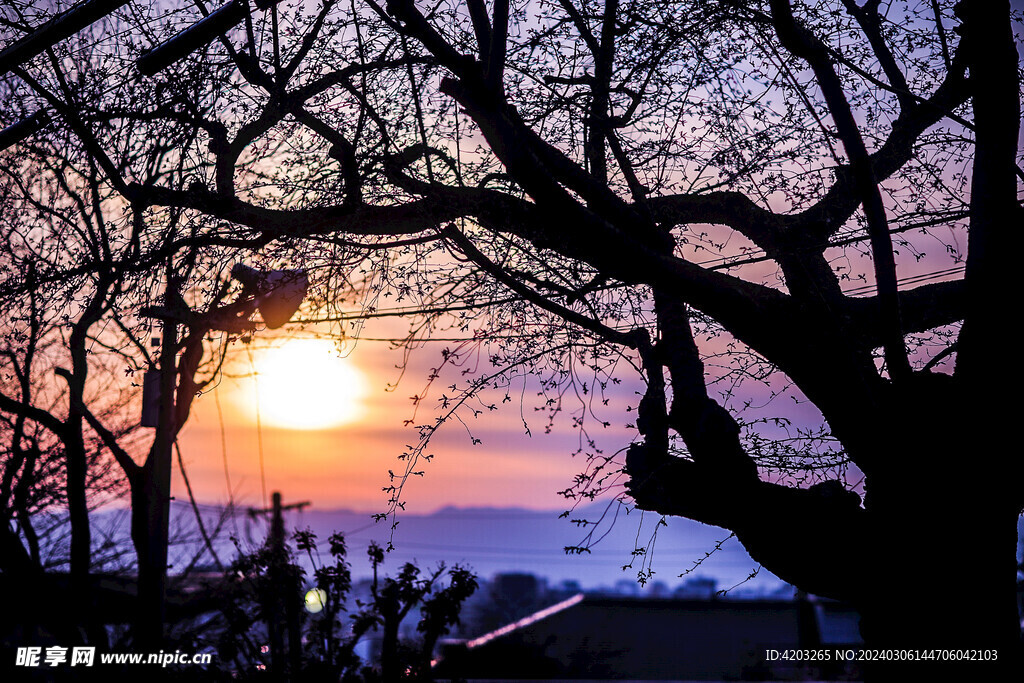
[305, 384]
[347, 464]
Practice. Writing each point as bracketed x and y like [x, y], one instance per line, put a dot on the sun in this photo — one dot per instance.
[305, 384]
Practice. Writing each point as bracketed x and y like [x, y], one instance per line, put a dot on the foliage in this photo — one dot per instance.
[263, 600]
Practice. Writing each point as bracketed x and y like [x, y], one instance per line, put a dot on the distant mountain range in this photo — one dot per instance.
[488, 540]
[502, 540]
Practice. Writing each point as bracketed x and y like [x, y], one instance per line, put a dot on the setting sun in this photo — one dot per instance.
[305, 384]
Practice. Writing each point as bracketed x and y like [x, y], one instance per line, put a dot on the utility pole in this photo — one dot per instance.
[168, 399]
[276, 539]
[156, 487]
[279, 579]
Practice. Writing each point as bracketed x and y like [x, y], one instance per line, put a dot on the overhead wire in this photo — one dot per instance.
[259, 424]
[224, 457]
[909, 280]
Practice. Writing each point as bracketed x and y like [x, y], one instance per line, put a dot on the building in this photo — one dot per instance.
[602, 638]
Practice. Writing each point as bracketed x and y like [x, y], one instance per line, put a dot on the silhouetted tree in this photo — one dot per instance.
[266, 583]
[98, 292]
[553, 175]
[52, 367]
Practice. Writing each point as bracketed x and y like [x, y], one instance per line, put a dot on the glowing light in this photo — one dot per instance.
[315, 599]
[305, 384]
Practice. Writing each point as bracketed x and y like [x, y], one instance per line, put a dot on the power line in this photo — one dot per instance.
[399, 311]
[909, 280]
[259, 427]
[224, 457]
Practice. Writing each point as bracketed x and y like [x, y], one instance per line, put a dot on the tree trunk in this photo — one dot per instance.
[82, 603]
[942, 588]
[78, 511]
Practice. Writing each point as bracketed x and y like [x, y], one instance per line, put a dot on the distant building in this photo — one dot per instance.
[696, 588]
[607, 638]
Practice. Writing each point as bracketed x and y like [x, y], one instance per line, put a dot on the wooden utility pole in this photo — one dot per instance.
[276, 510]
[166, 401]
[154, 493]
[279, 579]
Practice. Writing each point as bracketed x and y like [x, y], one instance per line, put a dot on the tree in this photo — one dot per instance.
[52, 216]
[553, 167]
[266, 583]
[97, 294]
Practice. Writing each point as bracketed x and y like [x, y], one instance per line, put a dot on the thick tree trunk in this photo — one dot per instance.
[941, 590]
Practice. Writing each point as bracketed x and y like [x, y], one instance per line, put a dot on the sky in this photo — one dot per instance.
[305, 383]
[342, 468]
[301, 420]
[325, 423]
[236, 449]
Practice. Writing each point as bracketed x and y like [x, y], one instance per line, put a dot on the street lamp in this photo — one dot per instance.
[276, 294]
[278, 291]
